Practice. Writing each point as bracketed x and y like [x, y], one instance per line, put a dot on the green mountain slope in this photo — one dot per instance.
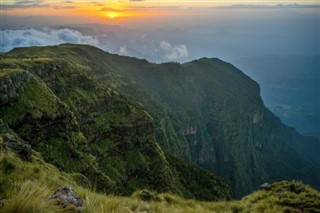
[219, 112]
[30, 190]
[205, 111]
[81, 126]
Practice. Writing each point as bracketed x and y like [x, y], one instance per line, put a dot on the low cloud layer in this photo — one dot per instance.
[277, 6]
[33, 37]
[174, 52]
[123, 51]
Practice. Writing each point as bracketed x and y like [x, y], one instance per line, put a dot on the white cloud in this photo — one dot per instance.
[174, 52]
[123, 51]
[261, 6]
[10, 39]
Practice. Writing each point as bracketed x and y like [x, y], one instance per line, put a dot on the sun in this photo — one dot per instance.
[112, 15]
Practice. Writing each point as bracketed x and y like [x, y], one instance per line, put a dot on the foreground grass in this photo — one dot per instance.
[34, 197]
[30, 197]
[27, 186]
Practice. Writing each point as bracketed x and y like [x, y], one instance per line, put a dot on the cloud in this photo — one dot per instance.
[277, 6]
[23, 6]
[98, 4]
[27, 2]
[64, 7]
[155, 7]
[123, 51]
[136, 0]
[111, 9]
[33, 37]
[173, 52]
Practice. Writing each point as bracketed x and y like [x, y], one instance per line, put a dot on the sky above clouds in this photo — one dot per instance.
[194, 24]
[120, 9]
[167, 30]
[144, 13]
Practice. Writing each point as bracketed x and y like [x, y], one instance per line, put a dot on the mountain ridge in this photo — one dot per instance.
[205, 111]
[82, 126]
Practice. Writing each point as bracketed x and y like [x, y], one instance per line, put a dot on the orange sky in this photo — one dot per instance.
[119, 10]
[112, 11]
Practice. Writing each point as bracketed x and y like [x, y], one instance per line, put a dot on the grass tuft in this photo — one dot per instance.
[30, 197]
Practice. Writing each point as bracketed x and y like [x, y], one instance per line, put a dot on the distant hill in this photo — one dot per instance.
[113, 112]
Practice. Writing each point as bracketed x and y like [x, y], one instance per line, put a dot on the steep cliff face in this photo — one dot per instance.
[82, 126]
[38, 116]
[219, 112]
[205, 111]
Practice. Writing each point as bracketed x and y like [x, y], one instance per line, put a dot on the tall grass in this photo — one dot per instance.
[165, 203]
[33, 197]
[34, 182]
[30, 197]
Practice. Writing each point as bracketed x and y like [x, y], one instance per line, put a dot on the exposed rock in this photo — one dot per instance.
[265, 186]
[300, 189]
[17, 145]
[45, 69]
[4, 98]
[12, 85]
[67, 197]
[257, 118]
[190, 131]
[4, 127]
[3, 202]
[258, 144]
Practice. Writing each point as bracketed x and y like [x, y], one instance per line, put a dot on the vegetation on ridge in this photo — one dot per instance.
[205, 111]
[82, 126]
[29, 179]
[120, 124]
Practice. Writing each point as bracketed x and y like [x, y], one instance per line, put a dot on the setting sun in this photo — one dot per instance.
[112, 15]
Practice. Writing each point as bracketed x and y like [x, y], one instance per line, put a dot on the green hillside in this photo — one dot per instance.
[27, 187]
[127, 124]
[82, 126]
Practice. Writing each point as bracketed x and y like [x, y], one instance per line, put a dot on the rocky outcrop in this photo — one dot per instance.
[68, 198]
[9, 140]
[265, 186]
[190, 131]
[17, 145]
[12, 85]
[257, 118]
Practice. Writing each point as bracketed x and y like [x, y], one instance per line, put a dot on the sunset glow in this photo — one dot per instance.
[112, 15]
[121, 9]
